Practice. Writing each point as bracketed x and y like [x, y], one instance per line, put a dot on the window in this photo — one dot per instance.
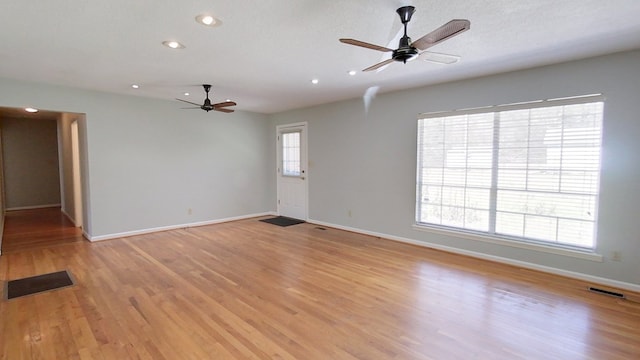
[527, 172]
[291, 154]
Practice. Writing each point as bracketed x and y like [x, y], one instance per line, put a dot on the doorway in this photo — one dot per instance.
[45, 217]
[292, 174]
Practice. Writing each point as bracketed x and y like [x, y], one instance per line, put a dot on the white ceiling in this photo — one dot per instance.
[266, 52]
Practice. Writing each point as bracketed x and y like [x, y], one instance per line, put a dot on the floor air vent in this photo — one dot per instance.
[606, 292]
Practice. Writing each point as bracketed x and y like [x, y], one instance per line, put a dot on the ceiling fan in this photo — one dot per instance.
[208, 106]
[408, 50]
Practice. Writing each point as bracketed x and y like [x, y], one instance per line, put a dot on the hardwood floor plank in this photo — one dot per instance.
[251, 290]
[52, 229]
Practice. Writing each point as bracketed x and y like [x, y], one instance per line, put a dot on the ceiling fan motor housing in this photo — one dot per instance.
[207, 103]
[405, 51]
[405, 54]
[207, 106]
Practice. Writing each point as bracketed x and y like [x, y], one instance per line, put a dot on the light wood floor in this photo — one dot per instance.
[37, 228]
[251, 290]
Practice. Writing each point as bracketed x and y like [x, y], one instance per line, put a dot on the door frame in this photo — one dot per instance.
[78, 210]
[304, 161]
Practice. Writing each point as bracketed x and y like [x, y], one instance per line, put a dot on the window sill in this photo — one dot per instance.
[586, 255]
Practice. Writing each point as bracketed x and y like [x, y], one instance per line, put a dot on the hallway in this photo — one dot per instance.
[36, 229]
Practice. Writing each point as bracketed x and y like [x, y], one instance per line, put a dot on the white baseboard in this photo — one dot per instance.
[522, 264]
[173, 227]
[32, 207]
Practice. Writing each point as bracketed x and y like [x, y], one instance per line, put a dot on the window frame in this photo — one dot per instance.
[514, 241]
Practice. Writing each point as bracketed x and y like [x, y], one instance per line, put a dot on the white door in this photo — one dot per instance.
[292, 171]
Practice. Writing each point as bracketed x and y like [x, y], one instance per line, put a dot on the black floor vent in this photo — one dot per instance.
[606, 292]
[320, 228]
[37, 284]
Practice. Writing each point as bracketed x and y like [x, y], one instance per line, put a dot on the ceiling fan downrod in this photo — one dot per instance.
[405, 51]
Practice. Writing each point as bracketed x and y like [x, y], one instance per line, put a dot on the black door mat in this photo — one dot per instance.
[36, 284]
[283, 221]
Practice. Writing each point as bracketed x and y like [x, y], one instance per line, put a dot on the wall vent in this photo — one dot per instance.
[606, 292]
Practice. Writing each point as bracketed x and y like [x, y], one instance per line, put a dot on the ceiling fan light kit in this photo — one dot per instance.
[408, 50]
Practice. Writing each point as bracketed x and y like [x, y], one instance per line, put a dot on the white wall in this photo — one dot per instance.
[365, 163]
[30, 158]
[147, 161]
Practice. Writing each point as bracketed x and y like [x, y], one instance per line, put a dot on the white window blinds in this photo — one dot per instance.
[526, 172]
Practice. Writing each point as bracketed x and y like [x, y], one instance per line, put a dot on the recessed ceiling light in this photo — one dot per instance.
[186, 94]
[31, 110]
[135, 86]
[208, 20]
[173, 44]
[228, 100]
[352, 72]
[314, 81]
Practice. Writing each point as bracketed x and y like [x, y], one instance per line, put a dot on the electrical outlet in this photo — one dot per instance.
[189, 211]
[349, 213]
[616, 256]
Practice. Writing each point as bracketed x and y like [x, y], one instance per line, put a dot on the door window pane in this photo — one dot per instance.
[291, 154]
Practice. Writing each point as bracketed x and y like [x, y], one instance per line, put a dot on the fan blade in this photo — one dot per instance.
[365, 45]
[189, 102]
[444, 32]
[439, 58]
[379, 65]
[224, 110]
[192, 108]
[223, 104]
